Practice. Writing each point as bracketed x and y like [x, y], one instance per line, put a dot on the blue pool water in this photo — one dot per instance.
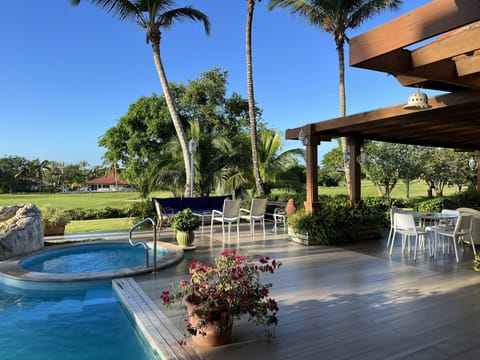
[71, 325]
[90, 258]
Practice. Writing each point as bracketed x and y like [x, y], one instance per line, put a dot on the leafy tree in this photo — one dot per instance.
[332, 168]
[444, 167]
[382, 165]
[143, 139]
[462, 175]
[251, 97]
[205, 99]
[13, 172]
[410, 167]
[154, 16]
[337, 17]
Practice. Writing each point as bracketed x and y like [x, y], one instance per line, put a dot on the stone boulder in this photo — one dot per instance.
[21, 230]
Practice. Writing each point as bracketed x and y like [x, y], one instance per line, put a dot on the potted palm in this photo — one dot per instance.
[184, 223]
[54, 220]
[217, 294]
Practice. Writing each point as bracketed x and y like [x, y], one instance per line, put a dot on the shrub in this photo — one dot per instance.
[185, 220]
[141, 210]
[54, 216]
[434, 204]
[336, 222]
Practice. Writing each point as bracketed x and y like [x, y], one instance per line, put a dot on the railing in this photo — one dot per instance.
[141, 243]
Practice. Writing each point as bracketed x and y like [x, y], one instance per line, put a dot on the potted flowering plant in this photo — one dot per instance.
[218, 294]
[184, 223]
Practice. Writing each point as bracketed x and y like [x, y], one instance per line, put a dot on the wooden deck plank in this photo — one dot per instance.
[353, 302]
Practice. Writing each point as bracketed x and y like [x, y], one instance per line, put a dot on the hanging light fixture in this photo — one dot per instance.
[362, 159]
[472, 163]
[417, 101]
[302, 137]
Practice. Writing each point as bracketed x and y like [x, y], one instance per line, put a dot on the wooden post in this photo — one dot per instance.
[354, 145]
[476, 157]
[311, 142]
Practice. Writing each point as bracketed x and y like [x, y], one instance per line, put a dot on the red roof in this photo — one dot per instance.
[108, 179]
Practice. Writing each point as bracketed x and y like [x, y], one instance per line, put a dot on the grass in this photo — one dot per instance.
[399, 191]
[77, 200]
[122, 199]
[99, 225]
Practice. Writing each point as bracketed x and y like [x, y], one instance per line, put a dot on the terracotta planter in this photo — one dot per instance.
[211, 335]
[290, 209]
[185, 238]
[54, 230]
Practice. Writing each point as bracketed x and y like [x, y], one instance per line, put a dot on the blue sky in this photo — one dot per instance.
[67, 74]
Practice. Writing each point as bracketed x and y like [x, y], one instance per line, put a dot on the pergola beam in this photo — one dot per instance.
[430, 20]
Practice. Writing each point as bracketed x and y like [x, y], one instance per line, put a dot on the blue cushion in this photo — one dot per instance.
[173, 204]
[216, 202]
[195, 204]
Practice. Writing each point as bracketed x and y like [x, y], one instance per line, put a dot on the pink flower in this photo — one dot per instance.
[232, 282]
[224, 253]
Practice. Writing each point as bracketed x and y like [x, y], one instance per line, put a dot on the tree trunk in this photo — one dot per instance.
[343, 111]
[174, 114]
[251, 98]
[407, 189]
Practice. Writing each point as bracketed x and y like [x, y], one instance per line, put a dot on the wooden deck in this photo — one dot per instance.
[353, 302]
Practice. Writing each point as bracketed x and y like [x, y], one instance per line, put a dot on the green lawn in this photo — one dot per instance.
[122, 199]
[77, 200]
[399, 192]
[99, 225]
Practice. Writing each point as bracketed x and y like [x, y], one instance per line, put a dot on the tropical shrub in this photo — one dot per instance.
[336, 222]
[54, 216]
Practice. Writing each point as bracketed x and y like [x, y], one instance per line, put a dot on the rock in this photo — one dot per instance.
[21, 230]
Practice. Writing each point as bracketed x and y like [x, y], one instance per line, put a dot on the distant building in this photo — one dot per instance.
[109, 182]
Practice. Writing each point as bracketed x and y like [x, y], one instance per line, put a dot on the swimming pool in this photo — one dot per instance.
[46, 313]
[74, 325]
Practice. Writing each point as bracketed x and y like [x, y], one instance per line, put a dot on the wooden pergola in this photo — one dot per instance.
[449, 63]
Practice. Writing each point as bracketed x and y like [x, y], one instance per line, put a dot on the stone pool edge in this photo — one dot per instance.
[157, 328]
[11, 271]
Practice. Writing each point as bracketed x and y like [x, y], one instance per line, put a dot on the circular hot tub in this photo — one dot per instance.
[90, 261]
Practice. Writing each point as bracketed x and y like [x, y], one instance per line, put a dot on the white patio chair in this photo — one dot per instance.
[405, 225]
[462, 231]
[229, 215]
[279, 219]
[475, 225]
[256, 212]
[391, 234]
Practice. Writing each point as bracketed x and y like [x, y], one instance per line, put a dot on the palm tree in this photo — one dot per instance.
[153, 16]
[336, 17]
[273, 162]
[213, 155]
[251, 97]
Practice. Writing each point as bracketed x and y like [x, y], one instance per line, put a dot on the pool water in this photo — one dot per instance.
[90, 258]
[73, 325]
